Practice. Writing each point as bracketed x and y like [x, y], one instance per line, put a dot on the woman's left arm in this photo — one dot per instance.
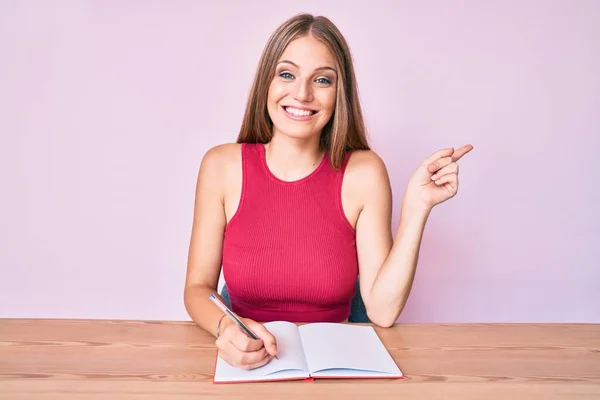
[387, 267]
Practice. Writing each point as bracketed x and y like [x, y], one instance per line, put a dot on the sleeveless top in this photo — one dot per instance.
[289, 252]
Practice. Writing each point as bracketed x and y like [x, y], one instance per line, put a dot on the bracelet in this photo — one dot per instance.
[219, 325]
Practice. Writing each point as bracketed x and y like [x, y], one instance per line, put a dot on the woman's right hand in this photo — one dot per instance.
[239, 350]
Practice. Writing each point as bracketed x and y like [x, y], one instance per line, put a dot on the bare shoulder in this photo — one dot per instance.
[223, 156]
[219, 164]
[366, 179]
[366, 167]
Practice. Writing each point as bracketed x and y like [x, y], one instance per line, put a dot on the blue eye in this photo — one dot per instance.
[324, 81]
[286, 75]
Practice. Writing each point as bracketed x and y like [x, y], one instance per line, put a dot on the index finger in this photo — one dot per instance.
[461, 152]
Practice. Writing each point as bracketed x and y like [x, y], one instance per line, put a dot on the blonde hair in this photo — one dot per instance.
[345, 131]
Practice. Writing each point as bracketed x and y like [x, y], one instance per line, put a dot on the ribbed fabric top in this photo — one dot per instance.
[289, 253]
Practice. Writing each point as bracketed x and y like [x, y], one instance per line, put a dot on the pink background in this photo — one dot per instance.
[108, 106]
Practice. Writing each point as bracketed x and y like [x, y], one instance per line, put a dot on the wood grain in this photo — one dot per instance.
[105, 359]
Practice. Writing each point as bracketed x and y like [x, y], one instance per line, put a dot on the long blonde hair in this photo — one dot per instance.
[345, 131]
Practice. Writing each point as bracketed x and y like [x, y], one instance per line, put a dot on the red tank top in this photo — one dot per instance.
[289, 253]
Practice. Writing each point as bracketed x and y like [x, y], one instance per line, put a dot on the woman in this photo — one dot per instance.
[299, 207]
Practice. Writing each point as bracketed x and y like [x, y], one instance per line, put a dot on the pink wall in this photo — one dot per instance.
[108, 107]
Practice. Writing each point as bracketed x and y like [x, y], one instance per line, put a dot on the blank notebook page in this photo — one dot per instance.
[340, 346]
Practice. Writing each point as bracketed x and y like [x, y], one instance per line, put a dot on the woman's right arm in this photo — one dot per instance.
[204, 268]
[206, 243]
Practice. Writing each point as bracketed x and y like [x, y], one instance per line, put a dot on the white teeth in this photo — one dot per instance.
[298, 113]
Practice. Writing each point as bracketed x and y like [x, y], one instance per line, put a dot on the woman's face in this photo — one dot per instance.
[302, 93]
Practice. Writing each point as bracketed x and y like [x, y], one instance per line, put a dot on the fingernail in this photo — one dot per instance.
[434, 177]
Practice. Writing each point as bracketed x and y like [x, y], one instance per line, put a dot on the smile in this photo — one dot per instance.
[299, 114]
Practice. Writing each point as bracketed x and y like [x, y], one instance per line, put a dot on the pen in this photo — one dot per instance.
[234, 317]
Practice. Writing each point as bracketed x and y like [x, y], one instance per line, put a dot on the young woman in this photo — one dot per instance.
[300, 206]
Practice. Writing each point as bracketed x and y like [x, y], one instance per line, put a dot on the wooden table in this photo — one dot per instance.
[98, 359]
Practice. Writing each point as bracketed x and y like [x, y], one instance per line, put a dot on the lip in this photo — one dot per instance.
[299, 118]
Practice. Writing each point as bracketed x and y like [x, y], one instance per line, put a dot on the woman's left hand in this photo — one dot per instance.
[436, 179]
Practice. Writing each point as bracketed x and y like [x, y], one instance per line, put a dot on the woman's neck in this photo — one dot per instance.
[291, 159]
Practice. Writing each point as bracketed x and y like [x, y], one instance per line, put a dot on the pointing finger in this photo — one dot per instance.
[461, 152]
[439, 154]
[439, 164]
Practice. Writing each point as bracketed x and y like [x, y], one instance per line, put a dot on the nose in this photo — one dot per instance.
[303, 90]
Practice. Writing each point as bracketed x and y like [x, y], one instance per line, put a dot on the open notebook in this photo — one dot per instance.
[318, 350]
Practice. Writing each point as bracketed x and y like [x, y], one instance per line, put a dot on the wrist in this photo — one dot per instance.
[415, 207]
[223, 323]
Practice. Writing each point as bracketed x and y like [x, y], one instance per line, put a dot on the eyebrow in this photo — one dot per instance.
[297, 66]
